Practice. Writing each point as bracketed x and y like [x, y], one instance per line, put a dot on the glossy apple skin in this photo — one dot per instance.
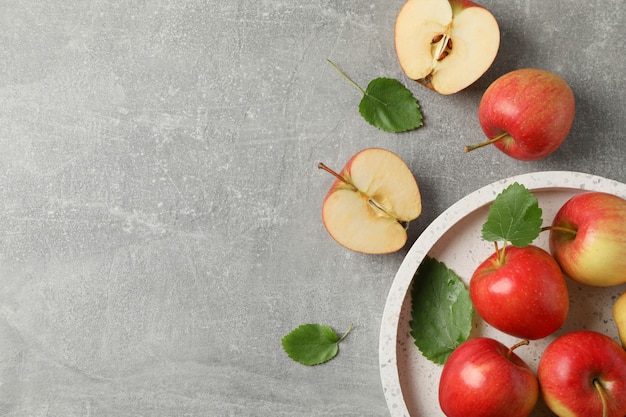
[535, 107]
[596, 254]
[480, 379]
[619, 317]
[526, 296]
[571, 363]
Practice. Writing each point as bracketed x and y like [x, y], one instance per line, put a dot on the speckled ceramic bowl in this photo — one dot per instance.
[410, 382]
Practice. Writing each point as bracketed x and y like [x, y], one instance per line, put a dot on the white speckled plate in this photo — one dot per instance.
[410, 382]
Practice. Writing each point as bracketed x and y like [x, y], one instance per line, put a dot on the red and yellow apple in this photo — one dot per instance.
[588, 238]
[445, 45]
[482, 377]
[526, 113]
[522, 293]
[619, 316]
[371, 202]
[583, 374]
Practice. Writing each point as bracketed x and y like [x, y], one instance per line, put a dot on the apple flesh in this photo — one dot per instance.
[588, 239]
[445, 45]
[522, 293]
[526, 113]
[583, 374]
[371, 202]
[482, 377]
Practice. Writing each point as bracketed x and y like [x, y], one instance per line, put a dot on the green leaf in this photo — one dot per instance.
[514, 217]
[312, 344]
[387, 104]
[390, 106]
[442, 311]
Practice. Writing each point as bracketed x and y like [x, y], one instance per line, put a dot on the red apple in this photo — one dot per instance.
[482, 377]
[522, 293]
[445, 45]
[371, 202]
[526, 113]
[588, 238]
[583, 374]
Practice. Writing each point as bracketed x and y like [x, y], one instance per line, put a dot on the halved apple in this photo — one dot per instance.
[371, 202]
[445, 45]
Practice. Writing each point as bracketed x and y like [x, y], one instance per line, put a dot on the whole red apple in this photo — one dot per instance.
[484, 378]
[583, 374]
[526, 113]
[521, 291]
[588, 238]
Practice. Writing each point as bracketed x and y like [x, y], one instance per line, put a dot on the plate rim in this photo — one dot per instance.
[388, 335]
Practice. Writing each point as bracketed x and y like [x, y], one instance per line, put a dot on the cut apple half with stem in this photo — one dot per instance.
[371, 202]
[445, 45]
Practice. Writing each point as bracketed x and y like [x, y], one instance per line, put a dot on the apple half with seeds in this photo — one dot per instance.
[445, 45]
[371, 202]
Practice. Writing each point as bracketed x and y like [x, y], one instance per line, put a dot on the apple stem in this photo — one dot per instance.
[346, 333]
[559, 229]
[339, 177]
[602, 393]
[346, 77]
[489, 142]
[515, 346]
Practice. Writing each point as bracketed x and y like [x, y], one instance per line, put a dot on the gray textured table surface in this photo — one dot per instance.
[160, 198]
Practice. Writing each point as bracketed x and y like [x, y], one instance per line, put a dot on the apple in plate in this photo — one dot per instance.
[588, 238]
[526, 113]
[583, 374]
[521, 292]
[619, 316]
[483, 377]
[371, 202]
[445, 45]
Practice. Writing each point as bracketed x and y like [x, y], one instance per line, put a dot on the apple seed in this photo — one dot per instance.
[444, 48]
[437, 38]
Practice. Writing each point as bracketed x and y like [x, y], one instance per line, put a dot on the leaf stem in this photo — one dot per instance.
[346, 77]
[500, 252]
[346, 333]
